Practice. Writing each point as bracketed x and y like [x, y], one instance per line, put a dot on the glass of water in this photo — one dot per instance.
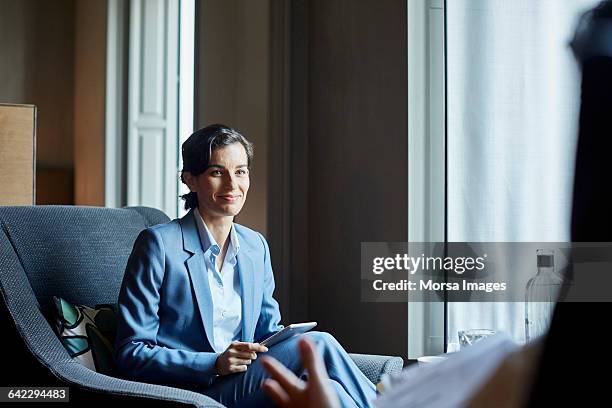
[473, 336]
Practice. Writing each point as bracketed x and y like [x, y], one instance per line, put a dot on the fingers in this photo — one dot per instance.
[276, 392]
[287, 380]
[237, 369]
[260, 348]
[233, 361]
[238, 361]
[228, 366]
[247, 355]
[245, 346]
[313, 362]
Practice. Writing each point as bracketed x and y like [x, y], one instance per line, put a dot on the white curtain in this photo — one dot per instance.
[512, 103]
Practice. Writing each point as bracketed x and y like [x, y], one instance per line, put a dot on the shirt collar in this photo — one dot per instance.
[208, 241]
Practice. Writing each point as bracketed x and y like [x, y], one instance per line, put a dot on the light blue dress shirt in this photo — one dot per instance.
[224, 286]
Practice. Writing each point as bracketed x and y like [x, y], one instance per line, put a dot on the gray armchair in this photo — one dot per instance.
[79, 253]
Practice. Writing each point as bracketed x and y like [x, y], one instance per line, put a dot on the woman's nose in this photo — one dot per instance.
[231, 181]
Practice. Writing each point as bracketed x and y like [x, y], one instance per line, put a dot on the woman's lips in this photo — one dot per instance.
[229, 198]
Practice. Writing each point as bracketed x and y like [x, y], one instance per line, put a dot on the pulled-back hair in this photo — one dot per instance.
[198, 148]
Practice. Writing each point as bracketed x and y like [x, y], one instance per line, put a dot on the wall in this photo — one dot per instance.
[232, 67]
[37, 67]
[339, 175]
[357, 163]
[346, 176]
[52, 55]
[89, 102]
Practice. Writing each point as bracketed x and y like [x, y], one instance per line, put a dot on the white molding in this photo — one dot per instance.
[152, 168]
[186, 85]
[425, 158]
[172, 102]
[114, 173]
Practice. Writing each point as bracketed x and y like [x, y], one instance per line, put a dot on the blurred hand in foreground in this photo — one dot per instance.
[289, 391]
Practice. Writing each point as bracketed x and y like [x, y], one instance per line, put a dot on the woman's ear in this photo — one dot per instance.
[188, 179]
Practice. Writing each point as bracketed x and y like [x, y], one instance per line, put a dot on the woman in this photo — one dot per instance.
[196, 298]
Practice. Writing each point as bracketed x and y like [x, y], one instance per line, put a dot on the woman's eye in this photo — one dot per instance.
[216, 172]
[242, 172]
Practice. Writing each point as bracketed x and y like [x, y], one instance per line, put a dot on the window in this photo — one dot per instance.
[500, 79]
[154, 73]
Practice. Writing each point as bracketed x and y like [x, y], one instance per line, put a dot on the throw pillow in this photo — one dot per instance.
[87, 333]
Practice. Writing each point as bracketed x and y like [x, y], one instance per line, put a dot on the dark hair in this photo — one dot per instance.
[198, 148]
[590, 36]
[603, 10]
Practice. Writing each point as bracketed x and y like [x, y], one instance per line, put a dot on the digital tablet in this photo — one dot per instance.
[288, 331]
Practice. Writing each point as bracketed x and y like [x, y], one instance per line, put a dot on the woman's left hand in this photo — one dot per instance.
[237, 357]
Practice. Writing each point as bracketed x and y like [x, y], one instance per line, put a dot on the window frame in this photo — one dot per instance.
[427, 149]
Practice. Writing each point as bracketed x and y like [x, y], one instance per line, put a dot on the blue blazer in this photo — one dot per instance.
[164, 322]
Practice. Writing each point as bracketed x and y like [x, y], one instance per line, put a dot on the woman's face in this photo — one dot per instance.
[223, 187]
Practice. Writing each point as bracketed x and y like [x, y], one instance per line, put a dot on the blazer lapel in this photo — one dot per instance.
[247, 287]
[198, 273]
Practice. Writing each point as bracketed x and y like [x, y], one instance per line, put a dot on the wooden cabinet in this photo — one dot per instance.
[17, 154]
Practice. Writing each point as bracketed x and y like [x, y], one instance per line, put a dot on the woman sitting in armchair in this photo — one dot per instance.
[196, 298]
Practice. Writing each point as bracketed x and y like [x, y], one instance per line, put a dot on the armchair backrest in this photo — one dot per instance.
[78, 253]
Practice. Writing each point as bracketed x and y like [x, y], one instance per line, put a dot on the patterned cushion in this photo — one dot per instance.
[87, 334]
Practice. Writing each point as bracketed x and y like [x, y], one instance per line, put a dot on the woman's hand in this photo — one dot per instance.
[288, 391]
[237, 357]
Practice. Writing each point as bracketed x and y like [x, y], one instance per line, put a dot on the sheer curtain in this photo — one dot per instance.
[512, 105]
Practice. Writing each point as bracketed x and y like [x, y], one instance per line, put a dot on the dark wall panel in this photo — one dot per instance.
[358, 160]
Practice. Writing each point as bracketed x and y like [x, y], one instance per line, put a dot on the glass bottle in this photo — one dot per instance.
[541, 294]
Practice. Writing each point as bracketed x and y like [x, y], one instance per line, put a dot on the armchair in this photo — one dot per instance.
[79, 254]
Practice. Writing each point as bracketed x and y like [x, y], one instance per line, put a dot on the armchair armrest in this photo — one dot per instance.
[74, 373]
[374, 366]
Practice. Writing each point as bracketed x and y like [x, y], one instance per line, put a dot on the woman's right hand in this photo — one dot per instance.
[237, 357]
